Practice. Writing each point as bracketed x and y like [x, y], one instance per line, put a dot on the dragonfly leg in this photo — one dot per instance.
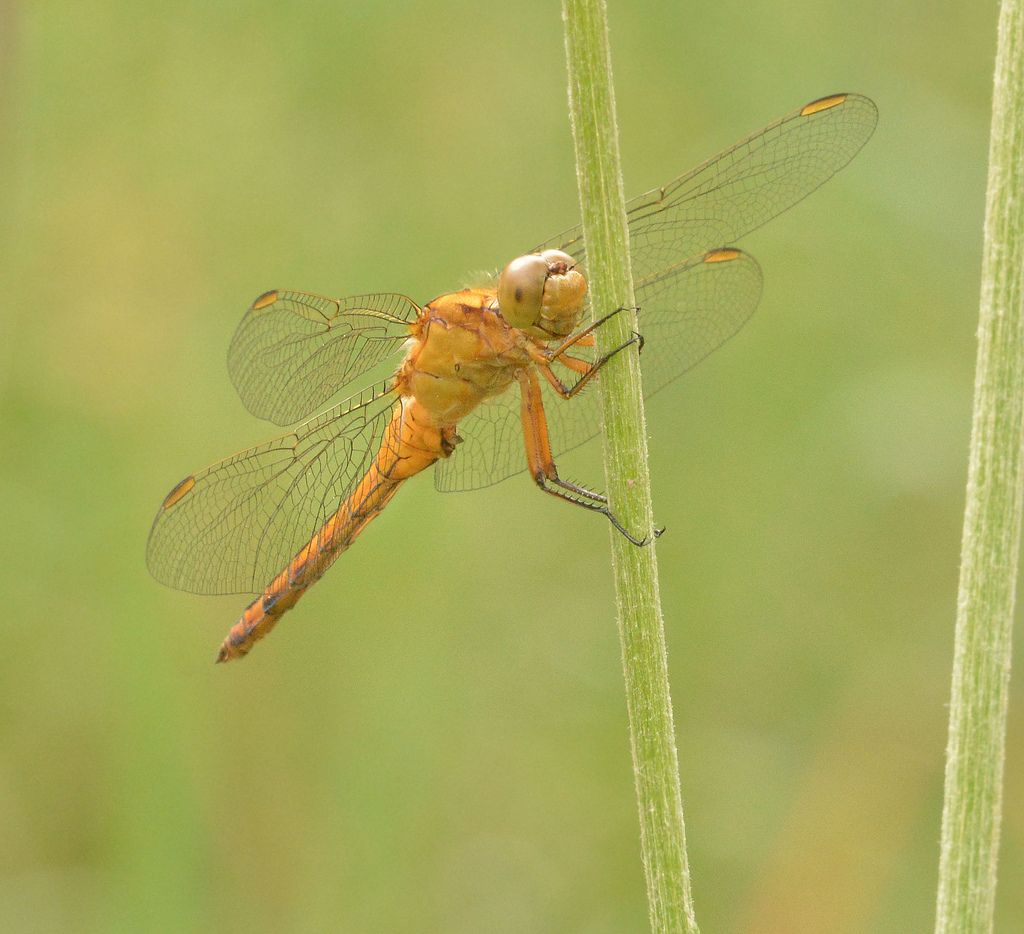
[576, 489]
[576, 364]
[542, 464]
[584, 337]
[567, 392]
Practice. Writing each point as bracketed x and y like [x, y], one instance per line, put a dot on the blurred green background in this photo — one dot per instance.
[436, 740]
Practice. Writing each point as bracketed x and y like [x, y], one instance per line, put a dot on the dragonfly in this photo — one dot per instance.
[490, 381]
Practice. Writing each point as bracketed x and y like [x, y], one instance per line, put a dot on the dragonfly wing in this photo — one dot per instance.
[294, 350]
[491, 446]
[686, 312]
[693, 295]
[691, 309]
[741, 188]
[233, 526]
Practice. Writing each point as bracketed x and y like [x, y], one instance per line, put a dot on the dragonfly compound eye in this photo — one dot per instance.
[521, 290]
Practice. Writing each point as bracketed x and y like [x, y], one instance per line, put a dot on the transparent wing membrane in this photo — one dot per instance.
[294, 350]
[233, 526]
[741, 188]
[685, 314]
[693, 294]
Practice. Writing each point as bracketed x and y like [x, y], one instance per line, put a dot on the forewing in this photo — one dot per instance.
[741, 188]
[233, 526]
[686, 312]
[693, 294]
[294, 350]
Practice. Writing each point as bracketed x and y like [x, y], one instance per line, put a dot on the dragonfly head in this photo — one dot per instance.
[542, 292]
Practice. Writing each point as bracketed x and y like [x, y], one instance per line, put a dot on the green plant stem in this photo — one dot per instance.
[641, 629]
[992, 523]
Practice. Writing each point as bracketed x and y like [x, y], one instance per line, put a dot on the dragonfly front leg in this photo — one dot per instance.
[588, 370]
[542, 464]
[584, 338]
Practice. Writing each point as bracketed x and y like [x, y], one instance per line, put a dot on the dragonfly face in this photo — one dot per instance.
[542, 293]
[480, 392]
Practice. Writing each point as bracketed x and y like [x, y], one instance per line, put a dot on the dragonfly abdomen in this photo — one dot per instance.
[409, 446]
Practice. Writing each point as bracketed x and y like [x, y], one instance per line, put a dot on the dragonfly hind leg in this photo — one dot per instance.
[542, 464]
[572, 493]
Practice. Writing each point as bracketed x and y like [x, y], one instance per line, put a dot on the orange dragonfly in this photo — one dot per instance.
[285, 510]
